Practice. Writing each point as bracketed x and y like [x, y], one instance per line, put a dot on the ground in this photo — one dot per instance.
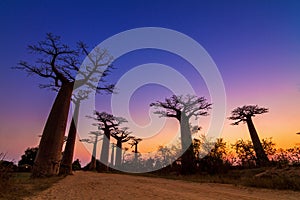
[89, 185]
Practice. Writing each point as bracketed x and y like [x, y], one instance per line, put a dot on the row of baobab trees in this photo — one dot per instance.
[109, 126]
[61, 66]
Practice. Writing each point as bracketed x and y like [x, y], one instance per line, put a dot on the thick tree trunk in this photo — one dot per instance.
[262, 158]
[93, 160]
[105, 148]
[66, 163]
[50, 148]
[118, 153]
[187, 158]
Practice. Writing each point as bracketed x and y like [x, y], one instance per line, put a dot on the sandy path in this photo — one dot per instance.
[88, 185]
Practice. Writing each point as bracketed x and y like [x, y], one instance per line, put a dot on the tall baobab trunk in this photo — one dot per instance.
[118, 153]
[123, 155]
[93, 163]
[112, 154]
[136, 153]
[66, 163]
[262, 158]
[49, 154]
[187, 158]
[105, 147]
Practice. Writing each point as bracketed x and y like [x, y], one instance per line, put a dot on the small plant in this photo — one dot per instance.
[6, 168]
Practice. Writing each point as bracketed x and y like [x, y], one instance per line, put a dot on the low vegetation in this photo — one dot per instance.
[20, 185]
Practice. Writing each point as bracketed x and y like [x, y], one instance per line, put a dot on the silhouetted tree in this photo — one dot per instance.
[28, 157]
[244, 114]
[268, 146]
[66, 163]
[245, 152]
[124, 152]
[214, 161]
[134, 143]
[122, 136]
[59, 63]
[76, 165]
[112, 155]
[183, 108]
[166, 155]
[107, 123]
[94, 140]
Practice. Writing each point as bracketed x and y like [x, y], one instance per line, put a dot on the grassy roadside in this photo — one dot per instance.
[20, 185]
[280, 179]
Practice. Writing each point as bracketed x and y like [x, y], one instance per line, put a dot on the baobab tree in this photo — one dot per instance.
[122, 136]
[94, 140]
[183, 108]
[107, 123]
[67, 160]
[124, 152]
[112, 155]
[244, 114]
[60, 64]
[134, 143]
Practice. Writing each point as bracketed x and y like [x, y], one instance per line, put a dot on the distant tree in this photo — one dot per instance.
[244, 114]
[59, 63]
[107, 123]
[122, 136]
[28, 157]
[245, 152]
[215, 160]
[93, 140]
[268, 146]
[203, 146]
[294, 154]
[219, 149]
[183, 108]
[125, 149]
[165, 154]
[134, 143]
[281, 157]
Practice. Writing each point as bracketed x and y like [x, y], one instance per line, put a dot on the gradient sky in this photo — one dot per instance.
[255, 44]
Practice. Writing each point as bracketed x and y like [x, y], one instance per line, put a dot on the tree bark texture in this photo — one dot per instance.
[49, 155]
[66, 163]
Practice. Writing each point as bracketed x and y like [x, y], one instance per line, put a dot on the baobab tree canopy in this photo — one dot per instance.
[57, 61]
[60, 63]
[241, 114]
[176, 105]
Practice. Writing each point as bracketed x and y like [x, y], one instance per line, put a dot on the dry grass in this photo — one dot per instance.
[272, 178]
[21, 185]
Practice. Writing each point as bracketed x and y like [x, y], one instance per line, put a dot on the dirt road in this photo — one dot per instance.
[88, 185]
